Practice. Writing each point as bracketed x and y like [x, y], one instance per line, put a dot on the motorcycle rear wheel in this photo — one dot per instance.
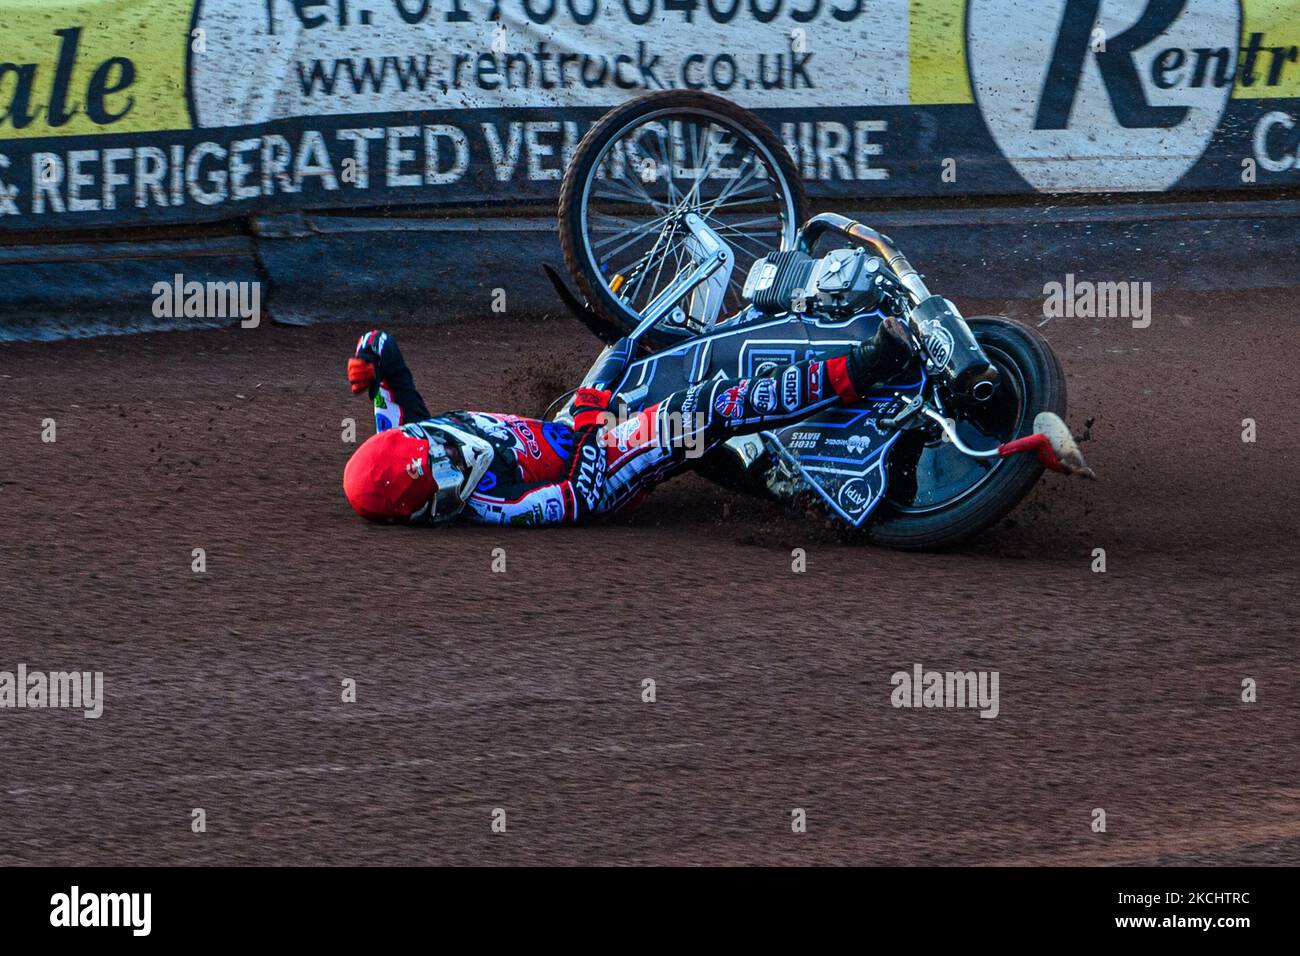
[951, 505]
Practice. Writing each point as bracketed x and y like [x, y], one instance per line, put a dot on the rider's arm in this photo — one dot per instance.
[578, 495]
[377, 367]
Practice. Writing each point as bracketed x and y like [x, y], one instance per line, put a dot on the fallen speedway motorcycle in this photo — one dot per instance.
[684, 225]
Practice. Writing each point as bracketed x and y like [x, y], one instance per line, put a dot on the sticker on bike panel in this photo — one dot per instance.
[842, 453]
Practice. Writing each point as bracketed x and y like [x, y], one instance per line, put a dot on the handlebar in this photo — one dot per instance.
[938, 326]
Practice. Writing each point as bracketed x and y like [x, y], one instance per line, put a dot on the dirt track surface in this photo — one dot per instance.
[478, 690]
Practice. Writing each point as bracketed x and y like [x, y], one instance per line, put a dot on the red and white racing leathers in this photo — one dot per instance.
[545, 473]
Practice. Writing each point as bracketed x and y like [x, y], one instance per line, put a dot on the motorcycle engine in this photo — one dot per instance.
[777, 281]
[844, 282]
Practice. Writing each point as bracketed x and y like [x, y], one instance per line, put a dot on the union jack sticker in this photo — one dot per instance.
[731, 403]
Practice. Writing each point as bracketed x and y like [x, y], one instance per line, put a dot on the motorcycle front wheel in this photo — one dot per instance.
[641, 170]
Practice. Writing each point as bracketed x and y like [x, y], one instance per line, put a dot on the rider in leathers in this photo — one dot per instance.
[504, 469]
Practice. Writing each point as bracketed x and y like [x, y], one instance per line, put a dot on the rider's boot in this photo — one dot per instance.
[870, 363]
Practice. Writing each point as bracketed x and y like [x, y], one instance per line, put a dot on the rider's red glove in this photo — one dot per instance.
[590, 405]
[360, 374]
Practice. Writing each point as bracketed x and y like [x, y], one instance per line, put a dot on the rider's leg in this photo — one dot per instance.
[724, 408]
[663, 438]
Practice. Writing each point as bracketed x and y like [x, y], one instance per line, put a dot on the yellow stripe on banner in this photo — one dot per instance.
[1276, 67]
[937, 52]
[123, 66]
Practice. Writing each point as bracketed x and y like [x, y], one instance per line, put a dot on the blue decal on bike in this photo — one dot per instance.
[487, 482]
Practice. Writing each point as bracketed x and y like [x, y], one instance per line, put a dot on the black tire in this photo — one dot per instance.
[1011, 478]
[776, 161]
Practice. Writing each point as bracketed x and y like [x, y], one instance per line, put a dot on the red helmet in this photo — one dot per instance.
[389, 476]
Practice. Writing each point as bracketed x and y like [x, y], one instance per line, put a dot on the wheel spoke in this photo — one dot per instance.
[732, 187]
[644, 265]
[743, 237]
[639, 233]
